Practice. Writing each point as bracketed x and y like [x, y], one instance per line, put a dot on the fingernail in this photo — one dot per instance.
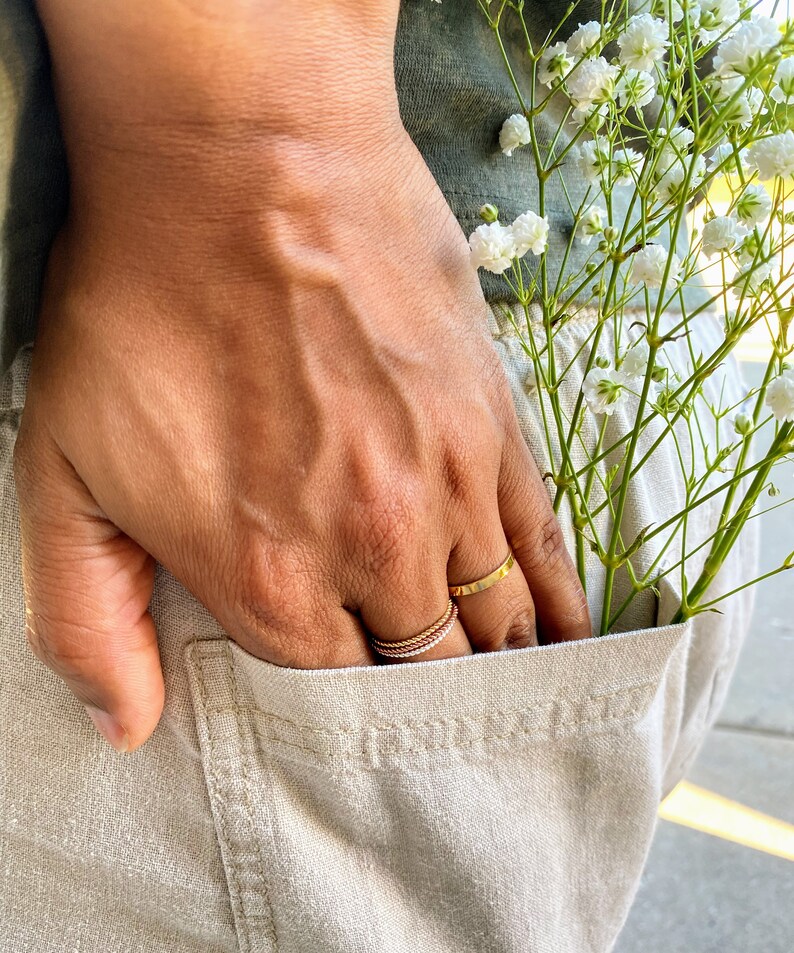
[109, 728]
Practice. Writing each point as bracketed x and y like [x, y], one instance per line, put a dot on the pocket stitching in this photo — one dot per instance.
[431, 722]
[516, 732]
[221, 814]
[245, 917]
[370, 745]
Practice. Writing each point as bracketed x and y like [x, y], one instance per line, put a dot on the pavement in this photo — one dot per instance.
[720, 877]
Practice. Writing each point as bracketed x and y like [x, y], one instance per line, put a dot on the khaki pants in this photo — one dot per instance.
[497, 803]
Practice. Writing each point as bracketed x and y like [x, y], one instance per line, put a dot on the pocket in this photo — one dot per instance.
[497, 802]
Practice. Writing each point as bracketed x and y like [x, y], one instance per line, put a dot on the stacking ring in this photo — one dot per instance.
[425, 640]
[469, 588]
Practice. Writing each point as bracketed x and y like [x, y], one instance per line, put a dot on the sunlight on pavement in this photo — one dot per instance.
[705, 811]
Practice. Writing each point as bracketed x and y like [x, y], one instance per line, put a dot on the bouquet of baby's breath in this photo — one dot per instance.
[668, 127]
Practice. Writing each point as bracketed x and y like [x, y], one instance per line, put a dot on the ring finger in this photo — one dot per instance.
[503, 615]
[402, 613]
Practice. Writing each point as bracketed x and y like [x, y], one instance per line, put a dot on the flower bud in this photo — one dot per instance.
[611, 234]
[742, 424]
[658, 374]
[489, 213]
[601, 361]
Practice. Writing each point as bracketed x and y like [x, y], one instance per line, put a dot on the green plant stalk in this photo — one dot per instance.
[722, 547]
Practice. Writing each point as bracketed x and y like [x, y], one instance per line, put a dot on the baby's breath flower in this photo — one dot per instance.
[755, 248]
[674, 144]
[721, 234]
[752, 277]
[592, 161]
[644, 42]
[586, 40]
[725, 154]
[742, 51]
[783, 92]
[626, 166]
[742, 424]
[592, 223]
[514, 133]
[489, 213]
[594, 116]
[636, 88]
[635, 361]
[649, 264]
[715, 17]
[773, 156]
[670, 186]
[530, 233]
[676, 12]
[754, 205]
[780, 396]
[492, 247]
[741, 103]
[603, 390]
[555, 64]
[592, 83]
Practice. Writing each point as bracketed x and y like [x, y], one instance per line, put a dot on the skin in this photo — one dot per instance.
[263, 361]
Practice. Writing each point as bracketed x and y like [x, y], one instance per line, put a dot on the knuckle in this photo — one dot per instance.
[266, 591]
[521, 630]
[470, 465]
[543, 546]
[68, 648]
[273, 608]
[511, 626]
[383, 533]
[579, 612]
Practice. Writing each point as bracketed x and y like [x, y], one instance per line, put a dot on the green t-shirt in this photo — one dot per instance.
[454, 95]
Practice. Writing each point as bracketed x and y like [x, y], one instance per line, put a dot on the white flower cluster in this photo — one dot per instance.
[723, 233]
[494, 246]
[773, 156]
[650, 264]
[741, 51]
[592, 82]
[591, 223]
[514, 133]
[665, 138]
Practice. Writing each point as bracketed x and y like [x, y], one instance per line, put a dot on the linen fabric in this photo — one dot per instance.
[454, 94]
[497, 803]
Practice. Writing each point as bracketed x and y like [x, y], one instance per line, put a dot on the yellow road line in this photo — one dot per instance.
[711, 813]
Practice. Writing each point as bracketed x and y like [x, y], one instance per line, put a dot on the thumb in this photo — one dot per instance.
[87, 590]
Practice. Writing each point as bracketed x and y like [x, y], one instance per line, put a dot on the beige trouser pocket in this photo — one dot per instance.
[496, 802]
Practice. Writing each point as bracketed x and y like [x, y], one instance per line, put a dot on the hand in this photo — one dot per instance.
[268, 369]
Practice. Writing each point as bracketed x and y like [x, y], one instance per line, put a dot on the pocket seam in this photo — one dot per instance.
[430, 722]
[245, 917]
[222, 820]
[375, 742]
[626, 715]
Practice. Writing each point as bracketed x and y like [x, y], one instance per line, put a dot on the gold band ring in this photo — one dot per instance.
[425, 640]
[469, 588]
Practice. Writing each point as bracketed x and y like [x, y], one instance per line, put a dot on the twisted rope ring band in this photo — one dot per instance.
[425, 640]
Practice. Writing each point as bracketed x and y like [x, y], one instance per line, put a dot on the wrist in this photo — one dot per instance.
[135, 79]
